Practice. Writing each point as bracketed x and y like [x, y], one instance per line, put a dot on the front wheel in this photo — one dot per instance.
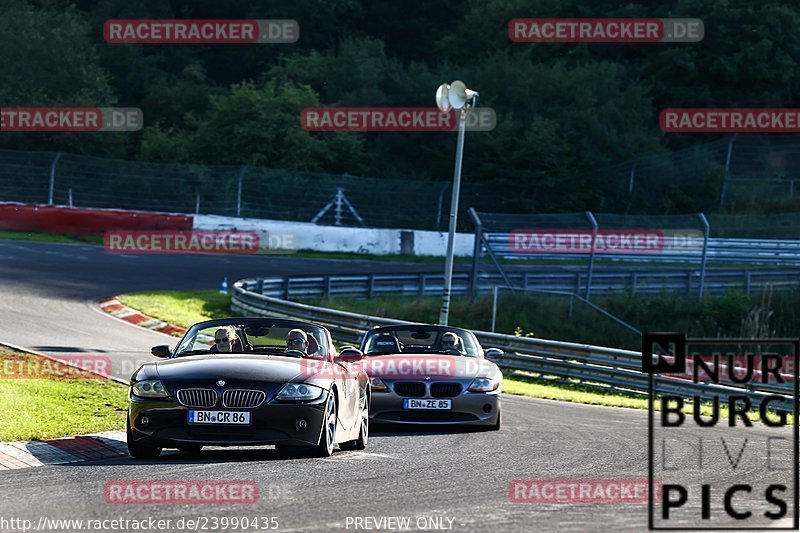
[363, 435]
[139, 450]
[327, 440]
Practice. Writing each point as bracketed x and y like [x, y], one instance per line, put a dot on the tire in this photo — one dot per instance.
[363, 435]
[327, 441]
[138, 450]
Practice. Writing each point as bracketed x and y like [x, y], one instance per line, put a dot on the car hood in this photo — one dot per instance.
[421, 366]
[234, 369]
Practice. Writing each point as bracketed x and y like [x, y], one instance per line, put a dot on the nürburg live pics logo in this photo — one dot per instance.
[722, 432]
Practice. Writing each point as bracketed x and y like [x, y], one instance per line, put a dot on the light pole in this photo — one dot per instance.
[454, 96]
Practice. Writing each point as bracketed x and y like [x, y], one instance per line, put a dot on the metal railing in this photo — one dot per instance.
[604, 281]
[594, 366]
[686, 240]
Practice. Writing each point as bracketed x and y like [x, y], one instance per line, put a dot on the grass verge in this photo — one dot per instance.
[40, 399]
[181, 308]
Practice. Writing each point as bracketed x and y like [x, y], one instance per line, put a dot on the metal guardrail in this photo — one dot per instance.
[749, 251]
[684, 281]
[596, 366]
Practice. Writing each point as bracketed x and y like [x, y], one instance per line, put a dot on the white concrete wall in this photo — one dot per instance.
[307, 236]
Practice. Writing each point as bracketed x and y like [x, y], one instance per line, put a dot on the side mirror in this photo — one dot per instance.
[349, 354]
[493, 353]
[163, 351]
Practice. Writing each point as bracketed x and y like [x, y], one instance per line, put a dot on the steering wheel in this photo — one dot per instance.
[452, 351]
[295, 353]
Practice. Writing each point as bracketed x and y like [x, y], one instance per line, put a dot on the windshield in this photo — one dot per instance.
[421, 340]
[265, 338]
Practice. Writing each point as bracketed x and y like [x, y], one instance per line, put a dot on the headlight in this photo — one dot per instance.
[484, 384]
[377, 384]
[149, 388]
[299, 391]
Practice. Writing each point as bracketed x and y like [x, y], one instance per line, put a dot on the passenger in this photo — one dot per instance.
[451, 341]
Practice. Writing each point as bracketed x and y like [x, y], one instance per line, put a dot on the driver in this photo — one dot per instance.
[226, 340]
[451, 341]
[297, 339]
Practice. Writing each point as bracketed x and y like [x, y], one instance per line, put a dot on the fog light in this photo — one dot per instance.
[144, 421]
[487, 408]
[302, 423]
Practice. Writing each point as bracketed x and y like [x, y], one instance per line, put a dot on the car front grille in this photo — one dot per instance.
[410, 389]
[197, 397]
[243, 398]
[445, 390]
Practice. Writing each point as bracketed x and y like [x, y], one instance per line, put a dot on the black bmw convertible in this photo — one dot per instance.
[249, 381]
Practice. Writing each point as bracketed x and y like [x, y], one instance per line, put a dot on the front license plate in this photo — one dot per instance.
[237, 418]
[413, 403]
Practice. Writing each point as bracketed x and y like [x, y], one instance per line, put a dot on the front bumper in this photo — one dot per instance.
[468, 408]
[271, 423]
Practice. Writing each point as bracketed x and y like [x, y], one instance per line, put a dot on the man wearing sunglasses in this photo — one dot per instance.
[297, 339]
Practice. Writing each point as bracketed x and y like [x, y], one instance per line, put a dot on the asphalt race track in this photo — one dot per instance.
[46, 292]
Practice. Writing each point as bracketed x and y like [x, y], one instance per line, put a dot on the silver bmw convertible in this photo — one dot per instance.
[426, 374]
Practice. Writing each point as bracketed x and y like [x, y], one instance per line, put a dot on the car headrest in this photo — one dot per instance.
[386, 344]
[313, 345]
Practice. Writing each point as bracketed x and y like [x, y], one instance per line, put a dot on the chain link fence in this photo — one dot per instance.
[739, 174]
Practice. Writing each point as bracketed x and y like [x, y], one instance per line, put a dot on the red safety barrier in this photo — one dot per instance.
[79, 221]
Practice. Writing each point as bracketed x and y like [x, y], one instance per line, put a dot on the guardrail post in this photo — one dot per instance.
[477, 247]
[53, 178]
[286, 285]
[422, 284]
[370, 285]
[326, 287]
[634, 281]
[747, 282]
[706, 231]
[495, 290]
[260, 286]
[591, 218]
